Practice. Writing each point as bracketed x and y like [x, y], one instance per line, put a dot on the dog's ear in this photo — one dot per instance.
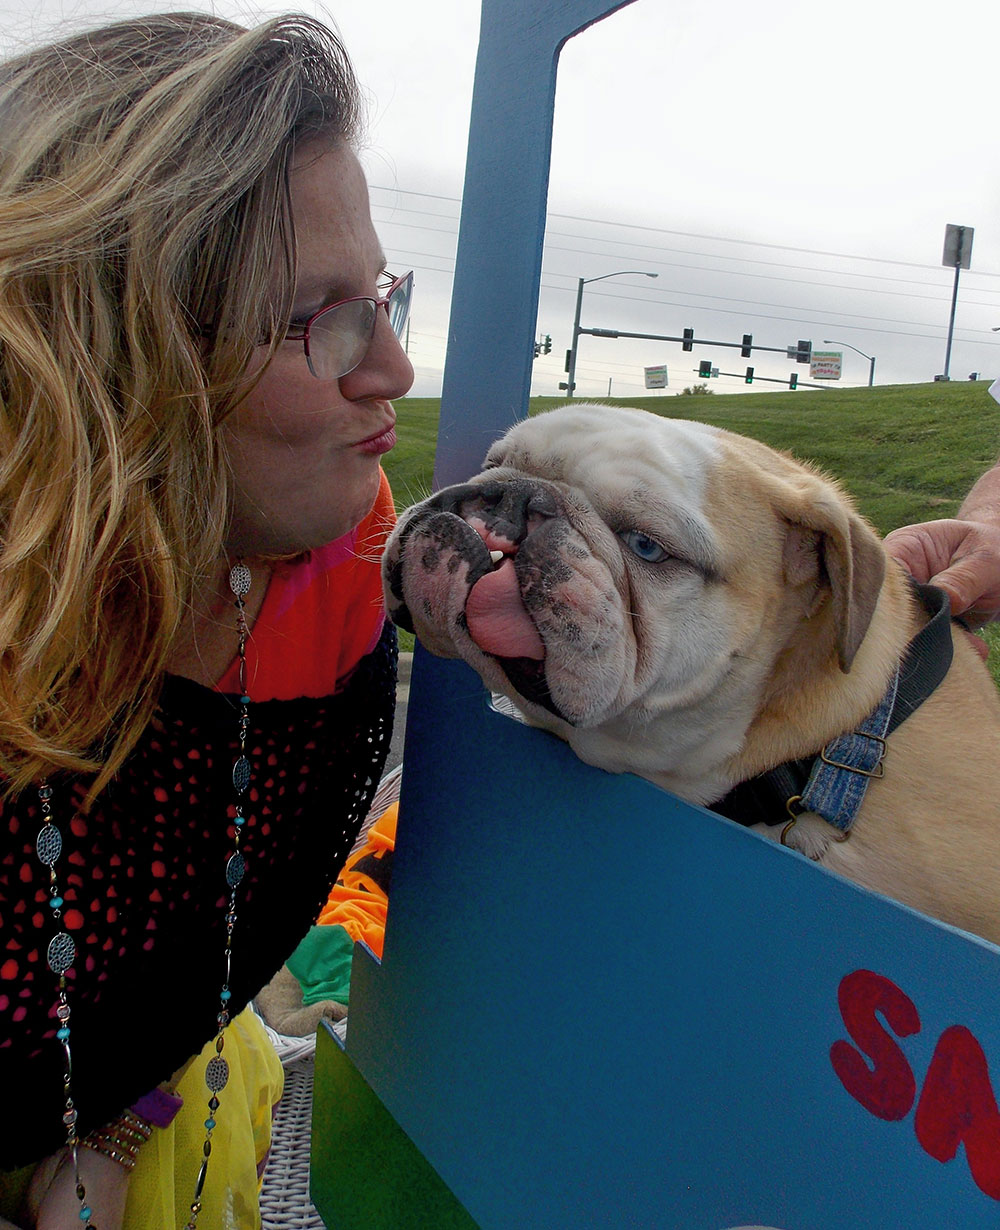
[828, 543]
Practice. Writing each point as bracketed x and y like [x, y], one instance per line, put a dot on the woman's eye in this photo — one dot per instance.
[643, 546]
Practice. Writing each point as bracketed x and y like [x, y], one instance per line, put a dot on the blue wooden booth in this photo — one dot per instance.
[599, 1006]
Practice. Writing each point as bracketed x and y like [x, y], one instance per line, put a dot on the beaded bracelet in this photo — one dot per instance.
[120, 1140]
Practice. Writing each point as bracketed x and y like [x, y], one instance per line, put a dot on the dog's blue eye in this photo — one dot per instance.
[646, 548]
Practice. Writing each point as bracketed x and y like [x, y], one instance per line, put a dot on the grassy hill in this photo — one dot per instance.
[906, 452]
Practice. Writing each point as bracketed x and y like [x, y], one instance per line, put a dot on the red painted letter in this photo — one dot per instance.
[888, 1088]
[957, 1106]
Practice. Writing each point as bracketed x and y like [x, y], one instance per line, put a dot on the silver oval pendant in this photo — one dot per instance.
[216, 1074]
[239, 580]
[61, 953]
[235, 869]
[48, 844]
[241, 774]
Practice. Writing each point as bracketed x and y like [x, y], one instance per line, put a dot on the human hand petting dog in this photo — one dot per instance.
[961, 555]
[962, 558]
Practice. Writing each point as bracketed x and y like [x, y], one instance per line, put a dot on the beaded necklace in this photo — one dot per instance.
[61, 952]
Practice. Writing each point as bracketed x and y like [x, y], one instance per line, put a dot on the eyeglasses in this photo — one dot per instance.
[337, 337]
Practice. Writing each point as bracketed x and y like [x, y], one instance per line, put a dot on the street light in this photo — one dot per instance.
[870, 357]
[571, 367]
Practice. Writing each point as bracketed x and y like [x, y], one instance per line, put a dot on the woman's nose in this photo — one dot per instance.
[385, 371]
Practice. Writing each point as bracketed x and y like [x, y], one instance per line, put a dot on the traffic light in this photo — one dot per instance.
[749, 375]
[547, 344]
[804, 352]
[747, 343]
[793, 380]
[705, 367]
[569, 360]
[688, 343]
[538, 349]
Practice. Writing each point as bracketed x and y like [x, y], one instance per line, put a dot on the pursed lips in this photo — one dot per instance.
[384, 438]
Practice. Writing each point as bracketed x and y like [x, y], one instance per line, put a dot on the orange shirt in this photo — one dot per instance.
[321, 614]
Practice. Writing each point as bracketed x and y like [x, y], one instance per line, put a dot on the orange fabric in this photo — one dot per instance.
[321, 614]
[359, 903]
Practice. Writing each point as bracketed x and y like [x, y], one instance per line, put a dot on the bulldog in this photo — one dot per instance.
[689, 605]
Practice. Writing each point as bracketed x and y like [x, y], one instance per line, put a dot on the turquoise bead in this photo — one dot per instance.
[62, 1034]
[55, 903]
[225, 995]
[86, 1213]
[210, 1123]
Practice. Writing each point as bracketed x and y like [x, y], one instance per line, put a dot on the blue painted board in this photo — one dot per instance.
[602, 1007]
[498, 265]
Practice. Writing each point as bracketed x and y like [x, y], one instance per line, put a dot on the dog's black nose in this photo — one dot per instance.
[505, 505]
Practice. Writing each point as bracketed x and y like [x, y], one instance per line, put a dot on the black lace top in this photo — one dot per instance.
[143, 878]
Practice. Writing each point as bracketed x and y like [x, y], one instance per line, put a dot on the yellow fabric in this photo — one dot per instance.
[162, 1185]
[358, 903]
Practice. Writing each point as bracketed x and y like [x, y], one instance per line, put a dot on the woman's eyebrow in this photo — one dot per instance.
[313, 293]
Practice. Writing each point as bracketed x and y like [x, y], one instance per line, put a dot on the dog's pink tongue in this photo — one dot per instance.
[497, 619]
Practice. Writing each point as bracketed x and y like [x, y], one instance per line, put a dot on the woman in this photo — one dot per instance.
[196, 377]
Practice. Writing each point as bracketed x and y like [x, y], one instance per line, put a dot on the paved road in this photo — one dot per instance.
[399, 725]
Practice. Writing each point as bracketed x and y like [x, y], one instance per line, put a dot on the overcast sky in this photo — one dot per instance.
[786, 170]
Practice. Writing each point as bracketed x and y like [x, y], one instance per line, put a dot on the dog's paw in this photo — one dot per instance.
[809, 834]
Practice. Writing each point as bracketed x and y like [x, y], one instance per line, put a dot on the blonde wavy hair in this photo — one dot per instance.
[146, 250]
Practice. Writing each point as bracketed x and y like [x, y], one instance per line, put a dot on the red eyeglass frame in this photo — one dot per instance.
[382, 302]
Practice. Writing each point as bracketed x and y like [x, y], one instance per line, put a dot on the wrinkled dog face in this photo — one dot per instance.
[603, 572]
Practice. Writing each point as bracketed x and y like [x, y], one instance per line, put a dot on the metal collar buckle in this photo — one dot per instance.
[879, 768]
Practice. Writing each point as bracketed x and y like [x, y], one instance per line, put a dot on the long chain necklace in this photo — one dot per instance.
[60, 955]
[217, 1068]
[61, 952]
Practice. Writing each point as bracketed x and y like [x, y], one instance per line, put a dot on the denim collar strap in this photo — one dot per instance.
[841, 772]
[833, 785]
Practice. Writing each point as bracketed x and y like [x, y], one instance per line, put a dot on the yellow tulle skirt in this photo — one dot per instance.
[161, 1187]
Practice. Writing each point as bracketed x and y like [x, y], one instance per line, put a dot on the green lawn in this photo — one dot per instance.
[906, 452]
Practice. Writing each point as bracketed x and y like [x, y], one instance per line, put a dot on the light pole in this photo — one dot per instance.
[571, 368]
[870, 357]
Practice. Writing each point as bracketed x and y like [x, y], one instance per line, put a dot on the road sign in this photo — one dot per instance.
[656, 377]
[826, 364]
[957, 246]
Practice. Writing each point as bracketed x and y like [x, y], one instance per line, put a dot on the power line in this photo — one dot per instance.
[750, 305]
[755, 243]
[660, 230]
[754, 304]
[740, 273]
[828, 322]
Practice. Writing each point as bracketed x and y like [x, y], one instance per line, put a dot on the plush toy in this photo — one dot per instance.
[316, 980]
